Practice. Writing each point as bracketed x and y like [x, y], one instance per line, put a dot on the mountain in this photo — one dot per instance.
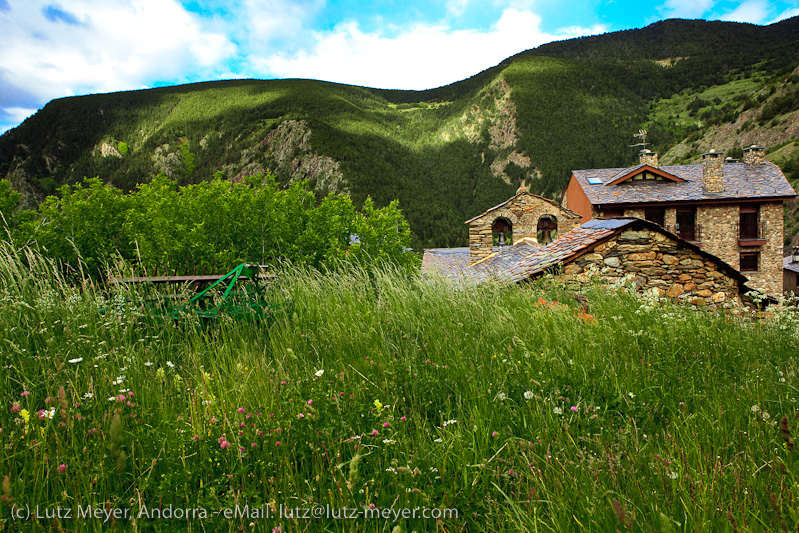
[446, 153]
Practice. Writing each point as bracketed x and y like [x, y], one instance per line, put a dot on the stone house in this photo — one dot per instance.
[524, 217]
[731, 209]
[655, 259]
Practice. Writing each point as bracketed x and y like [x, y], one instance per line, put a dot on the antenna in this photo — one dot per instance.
[640, 135]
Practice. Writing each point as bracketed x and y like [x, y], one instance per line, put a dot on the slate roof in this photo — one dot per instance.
[741, 181]
[787, 264]
[450, 262]
[525, 263]
[515, 266]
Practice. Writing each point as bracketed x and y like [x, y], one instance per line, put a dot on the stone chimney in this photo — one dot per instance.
[648, 157]
[713, 171]
[755, 155]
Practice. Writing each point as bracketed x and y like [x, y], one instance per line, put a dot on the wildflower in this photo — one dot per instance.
[528, 395]
[148, 363]
[300, 415]
[49, 414]
[388, 441]
[319, 373]
[631, 395]
[76, 360]
[448, 422]
[196, 437]
[242, 410]
[88, 395]
[378, 405]
[574, 409]
[386, 424]
[755, 408]
[310, 402]
[25, 415]
[557, 411]
[24, 393]
[672, 475]
[493, 433]
[224, 444]
[16, 408]
[374, 433]
[438, 440]
[159, 373]
[403, 418]
[62, 468]
[170, 364]
[502, 396]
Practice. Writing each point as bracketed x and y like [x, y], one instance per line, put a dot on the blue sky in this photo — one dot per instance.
[56, 48]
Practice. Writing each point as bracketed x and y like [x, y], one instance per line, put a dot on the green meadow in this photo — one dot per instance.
[488, 408]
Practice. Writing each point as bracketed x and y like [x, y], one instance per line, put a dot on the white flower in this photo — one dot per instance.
[438, 440]
[448, 422]
[631, 395]
[148, 363]
[557, 411]
[112, 398]
[502, 396]
[123, 391]
[170, 364]
[76, 360]
[88, 395]
[755, 408]
[319, 373]
[528, 395]
[388, 441]
[672, 475]
[49, 414]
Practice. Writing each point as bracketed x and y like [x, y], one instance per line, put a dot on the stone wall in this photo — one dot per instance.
[769, 276]
[523, 211]
[659, 263]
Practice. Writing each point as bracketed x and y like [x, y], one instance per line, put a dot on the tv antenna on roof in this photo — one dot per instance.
[640, 135]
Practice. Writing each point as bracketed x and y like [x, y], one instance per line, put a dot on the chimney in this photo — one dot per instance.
[712, 171]
[648, 157]
[795, 254]
[755, 155]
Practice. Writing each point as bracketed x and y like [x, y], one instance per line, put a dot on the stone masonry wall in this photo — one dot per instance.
[523, 212]
[769, 276]
[659, 263]
[720, 231]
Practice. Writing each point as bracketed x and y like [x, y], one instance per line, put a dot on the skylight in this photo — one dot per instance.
[595, 181]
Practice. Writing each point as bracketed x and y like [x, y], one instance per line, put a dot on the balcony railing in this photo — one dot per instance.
[752, 234]
[688, 232]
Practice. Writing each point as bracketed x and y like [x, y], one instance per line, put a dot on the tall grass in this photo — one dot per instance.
[391, 390]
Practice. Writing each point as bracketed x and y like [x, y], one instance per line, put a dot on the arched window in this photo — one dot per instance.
[502, 232]
[547, 229]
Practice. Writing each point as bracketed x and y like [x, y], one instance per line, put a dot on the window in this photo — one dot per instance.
[748, 222]
[594, 181]
[686, 224]
[656, 215]
[613, 212]
[750, 261]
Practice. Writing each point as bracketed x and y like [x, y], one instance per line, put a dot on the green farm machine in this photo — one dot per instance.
[239, 294]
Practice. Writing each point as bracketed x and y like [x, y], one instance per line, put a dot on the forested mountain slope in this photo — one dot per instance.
[446, 153]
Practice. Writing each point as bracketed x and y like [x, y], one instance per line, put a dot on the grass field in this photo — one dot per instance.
[396, 392]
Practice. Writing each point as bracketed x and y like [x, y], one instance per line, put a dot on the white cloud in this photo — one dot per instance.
[689, 9]
[420, 57]
[753, 11]
[792, 12]
[17, 114]
[98, 46]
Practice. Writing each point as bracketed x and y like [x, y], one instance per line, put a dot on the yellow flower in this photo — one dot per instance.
[378, 405]
[26, 416]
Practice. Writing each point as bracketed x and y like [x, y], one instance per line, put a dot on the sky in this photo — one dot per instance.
[57, 48]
